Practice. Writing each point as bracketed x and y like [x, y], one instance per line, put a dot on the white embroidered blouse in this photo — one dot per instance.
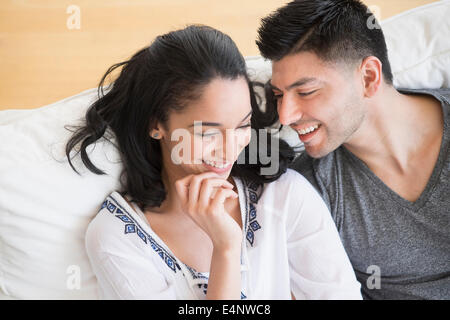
[290, 244]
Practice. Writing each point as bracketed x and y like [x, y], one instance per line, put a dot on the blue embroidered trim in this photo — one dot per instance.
[195, 274]
[132, 226]
[205, 287]
[254, 190]
[252, 212]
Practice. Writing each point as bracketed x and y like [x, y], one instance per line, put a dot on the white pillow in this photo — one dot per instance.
[45, 206]
[419, 46]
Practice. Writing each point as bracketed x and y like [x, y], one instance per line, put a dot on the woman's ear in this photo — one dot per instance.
[371, 71]
[156, 132]
[155, 135]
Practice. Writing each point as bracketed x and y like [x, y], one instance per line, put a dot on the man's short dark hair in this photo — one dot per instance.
[335, 30]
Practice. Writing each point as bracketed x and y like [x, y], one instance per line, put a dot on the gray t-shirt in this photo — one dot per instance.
[399, 249]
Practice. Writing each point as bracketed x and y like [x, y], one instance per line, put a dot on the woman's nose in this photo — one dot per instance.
[230, 145]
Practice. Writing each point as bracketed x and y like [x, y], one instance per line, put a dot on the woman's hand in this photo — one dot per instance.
[203, 197]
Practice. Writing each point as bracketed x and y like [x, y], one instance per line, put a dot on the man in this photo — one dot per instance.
[379, 156]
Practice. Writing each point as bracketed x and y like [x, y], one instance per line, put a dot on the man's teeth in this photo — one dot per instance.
[308, 130]
[217, 165]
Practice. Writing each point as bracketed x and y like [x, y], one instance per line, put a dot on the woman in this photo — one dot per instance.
[193, 222]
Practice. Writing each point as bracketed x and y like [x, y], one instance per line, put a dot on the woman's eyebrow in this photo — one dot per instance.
[215, 124]
[208, 124]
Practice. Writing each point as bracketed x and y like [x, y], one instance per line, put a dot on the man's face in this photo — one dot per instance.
[323, 102]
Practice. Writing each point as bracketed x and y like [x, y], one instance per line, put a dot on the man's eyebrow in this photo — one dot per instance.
[215, 124]
[298, 83]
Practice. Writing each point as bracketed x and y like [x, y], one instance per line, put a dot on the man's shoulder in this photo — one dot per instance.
[322, 172]
[307, 165]
[442, 94]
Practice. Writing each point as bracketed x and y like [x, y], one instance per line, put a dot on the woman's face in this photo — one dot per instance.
[210, 133]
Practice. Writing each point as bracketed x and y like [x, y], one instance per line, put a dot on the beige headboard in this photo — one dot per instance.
[51, 49]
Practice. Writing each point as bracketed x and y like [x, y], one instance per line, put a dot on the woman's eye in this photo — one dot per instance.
[206, 135]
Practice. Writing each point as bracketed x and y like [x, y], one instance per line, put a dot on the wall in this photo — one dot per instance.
[45, 57]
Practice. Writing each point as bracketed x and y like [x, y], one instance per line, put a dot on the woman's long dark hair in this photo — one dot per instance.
[157, 80]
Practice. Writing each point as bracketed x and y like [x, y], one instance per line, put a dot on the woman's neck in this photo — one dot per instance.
[171, 203]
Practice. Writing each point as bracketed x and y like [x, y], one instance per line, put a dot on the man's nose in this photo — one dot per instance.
[289, 111]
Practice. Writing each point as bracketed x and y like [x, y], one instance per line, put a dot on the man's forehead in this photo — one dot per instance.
[294, 84]
[299, 70]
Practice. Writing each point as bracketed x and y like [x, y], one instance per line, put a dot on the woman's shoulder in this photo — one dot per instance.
[292, 198]
[287, 192]
[114, 225]
[118, 230]
[112, 209]
[291, 179]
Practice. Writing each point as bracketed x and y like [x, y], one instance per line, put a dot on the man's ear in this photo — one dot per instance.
[371, 70]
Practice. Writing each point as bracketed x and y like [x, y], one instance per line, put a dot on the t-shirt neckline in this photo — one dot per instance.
[438, 167]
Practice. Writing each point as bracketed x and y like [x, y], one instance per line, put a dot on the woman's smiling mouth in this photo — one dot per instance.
[217, 167]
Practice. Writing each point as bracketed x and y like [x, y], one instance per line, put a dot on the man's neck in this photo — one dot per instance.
[396, 129]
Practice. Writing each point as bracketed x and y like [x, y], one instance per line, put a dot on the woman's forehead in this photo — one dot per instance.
[223, 102]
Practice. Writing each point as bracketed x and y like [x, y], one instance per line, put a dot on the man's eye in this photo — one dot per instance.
[277, 96]
[245, 126]
[304, 94]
